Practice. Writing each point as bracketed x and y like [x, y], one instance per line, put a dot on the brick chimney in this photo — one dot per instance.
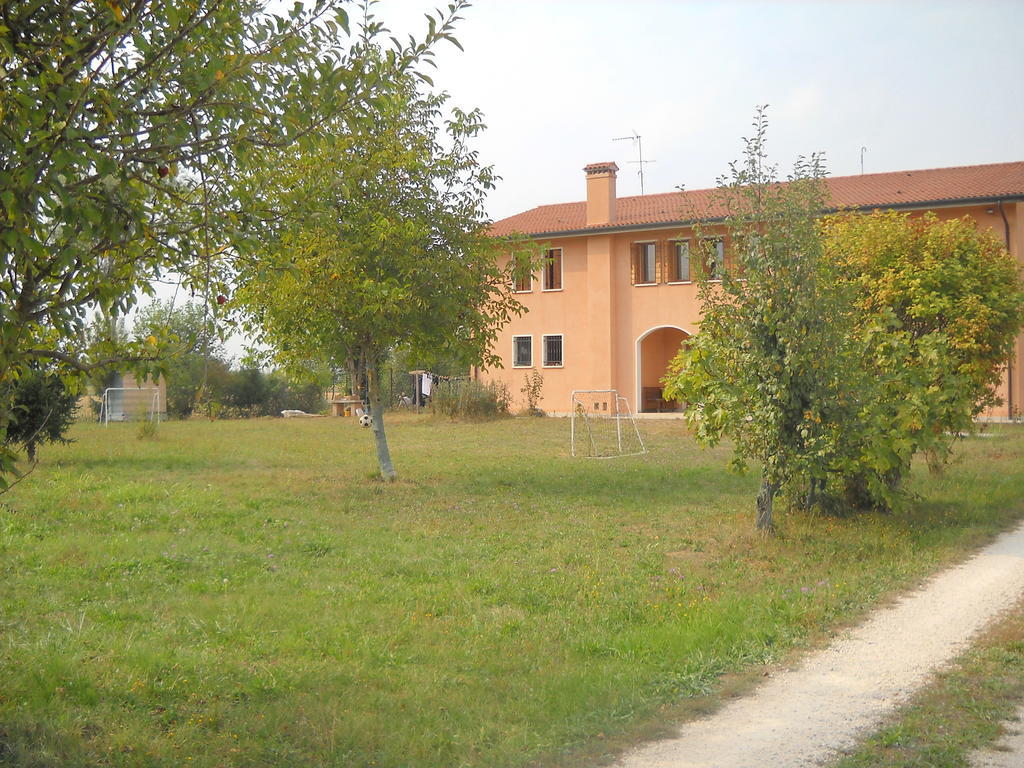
[601, 193]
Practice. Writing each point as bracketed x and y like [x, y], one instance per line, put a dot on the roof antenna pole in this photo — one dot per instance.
[862, 151]
[638, 140]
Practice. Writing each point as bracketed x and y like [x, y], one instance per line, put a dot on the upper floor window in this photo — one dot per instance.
[553, 270]
[522, 279]
[756, 248]
[714, 257]
[645, 263]
[522, 351]
[679, 268]
[553, 351]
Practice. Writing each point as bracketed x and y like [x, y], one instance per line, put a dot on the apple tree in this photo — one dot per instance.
[381, 244]
[769, 365]
[122, 121]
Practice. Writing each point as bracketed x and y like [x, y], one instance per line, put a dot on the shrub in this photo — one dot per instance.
[531, 389]
[43, 409]
[467, 399]
[251, 392]
[938, 304]
[147, 429]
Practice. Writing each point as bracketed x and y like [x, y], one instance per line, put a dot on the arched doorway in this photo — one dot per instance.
[654, 351]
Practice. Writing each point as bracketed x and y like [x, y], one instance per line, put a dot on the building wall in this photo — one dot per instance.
[602, 316]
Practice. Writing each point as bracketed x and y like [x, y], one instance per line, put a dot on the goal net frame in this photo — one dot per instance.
[154, 404]
[620, 413]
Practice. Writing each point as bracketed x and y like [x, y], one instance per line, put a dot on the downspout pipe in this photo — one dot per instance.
[1009, 363]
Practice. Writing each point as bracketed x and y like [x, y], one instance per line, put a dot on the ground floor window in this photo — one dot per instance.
[553, 351]
[522, 351]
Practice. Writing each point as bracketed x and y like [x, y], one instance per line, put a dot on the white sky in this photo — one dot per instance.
[920, 84]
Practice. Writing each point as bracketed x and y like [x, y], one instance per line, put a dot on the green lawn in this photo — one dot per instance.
[246, 594]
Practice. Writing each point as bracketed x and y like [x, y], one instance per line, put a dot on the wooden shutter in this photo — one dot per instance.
[634, 264]
[554, 269]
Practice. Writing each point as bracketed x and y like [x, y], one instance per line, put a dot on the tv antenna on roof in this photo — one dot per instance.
[638, 140]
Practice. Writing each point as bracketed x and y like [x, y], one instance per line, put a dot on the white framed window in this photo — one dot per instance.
[679, 269]
[522, 351]
[755, 253]
[553, 351]
[714, 257]
[552, 270]
[522, 278]
[645, 263]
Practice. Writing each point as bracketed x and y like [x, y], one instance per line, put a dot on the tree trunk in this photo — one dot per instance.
[815, 490]
[387, 469]
[765, 500]
[352, 370]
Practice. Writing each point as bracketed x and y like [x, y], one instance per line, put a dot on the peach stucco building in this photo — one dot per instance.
[616, 298]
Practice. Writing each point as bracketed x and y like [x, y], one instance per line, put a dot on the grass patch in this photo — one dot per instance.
[242, 594]
[960, 712]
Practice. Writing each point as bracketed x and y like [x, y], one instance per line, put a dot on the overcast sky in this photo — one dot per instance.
[919, 84]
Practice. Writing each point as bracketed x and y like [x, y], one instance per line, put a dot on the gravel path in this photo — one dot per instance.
[804, 716]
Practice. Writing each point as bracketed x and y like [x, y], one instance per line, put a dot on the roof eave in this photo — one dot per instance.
[646, 226]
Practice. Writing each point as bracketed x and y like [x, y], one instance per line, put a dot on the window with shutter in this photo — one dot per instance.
[714, 257]
[522, 280]
[553, 270]
[645, 264]
[679, 267]
[522, 351]
[553, 351]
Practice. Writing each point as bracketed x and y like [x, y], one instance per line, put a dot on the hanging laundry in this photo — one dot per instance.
[428, 382]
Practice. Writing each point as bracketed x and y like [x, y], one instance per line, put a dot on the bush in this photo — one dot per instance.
[467, 399]
[531, 389]
[938, 305]
[43, 410]
[251, 392]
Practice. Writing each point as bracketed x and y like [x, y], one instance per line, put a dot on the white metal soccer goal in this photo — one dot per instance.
[129, 404]
[602, 425]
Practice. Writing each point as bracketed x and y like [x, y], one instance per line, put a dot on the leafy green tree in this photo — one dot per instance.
[768, 366]
[844, 345]
[122, 124]
[382, 245]
[193, 347]
[938, 305]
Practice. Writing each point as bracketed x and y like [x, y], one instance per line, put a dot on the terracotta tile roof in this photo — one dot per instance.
[901, 188]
